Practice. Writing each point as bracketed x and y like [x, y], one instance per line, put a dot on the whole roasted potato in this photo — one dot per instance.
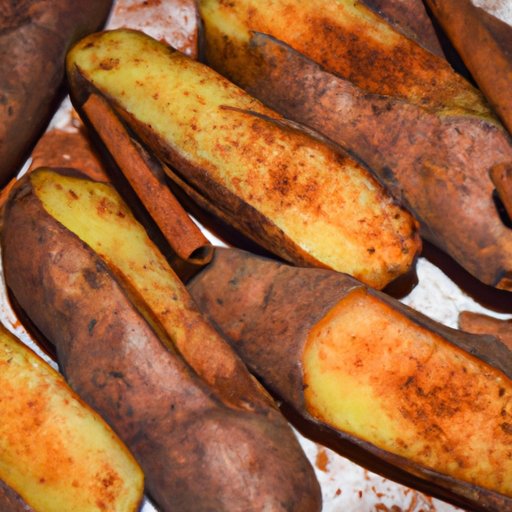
[34, 38]
[133, 344]
[431, 400]
[56, 454]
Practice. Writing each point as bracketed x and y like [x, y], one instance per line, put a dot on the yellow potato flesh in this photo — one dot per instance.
[55, 452]
[371, 372]
[326, 204]
[350, 40]
[98, 216]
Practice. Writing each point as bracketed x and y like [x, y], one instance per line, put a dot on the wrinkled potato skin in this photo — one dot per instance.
[251, 299]
[436, 165]
[34, 38]
[178, 430]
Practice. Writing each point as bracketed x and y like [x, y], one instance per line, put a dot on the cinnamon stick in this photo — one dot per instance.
[484, 43]
[184, 237]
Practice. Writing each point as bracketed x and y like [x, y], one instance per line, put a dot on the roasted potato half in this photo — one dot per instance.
[133, 344]
[423, 130]
[56, 453]
[408, 390]
[34, 38]
[296, 196]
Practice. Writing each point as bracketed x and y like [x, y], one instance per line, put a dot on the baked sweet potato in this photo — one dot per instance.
[135, 347]
[425, 132]
[56, 453]
[407, 389]
[34, 38]
[293, 194]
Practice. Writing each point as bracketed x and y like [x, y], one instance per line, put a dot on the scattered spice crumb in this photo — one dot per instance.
[322, 460]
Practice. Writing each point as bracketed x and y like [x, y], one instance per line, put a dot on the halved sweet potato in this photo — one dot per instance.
[34, 38]
[424, 131]
[133, 345]
[291, 193]
[389, 379]
[56, 453]
[346, 38]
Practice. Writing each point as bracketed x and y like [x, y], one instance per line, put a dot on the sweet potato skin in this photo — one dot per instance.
[10, 501]
[174, 424]
[479, 323]
[251, 299]
[34, 38]
[409, 148]
[410, 18]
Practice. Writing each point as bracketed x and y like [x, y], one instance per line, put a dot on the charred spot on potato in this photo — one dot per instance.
[93, 280]
[108, 64]
[91, 325]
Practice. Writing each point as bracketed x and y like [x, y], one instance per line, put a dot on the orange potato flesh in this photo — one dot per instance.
[55, 452]
[372, 372]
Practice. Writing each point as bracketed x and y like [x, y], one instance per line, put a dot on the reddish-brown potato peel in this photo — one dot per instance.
[34, 38]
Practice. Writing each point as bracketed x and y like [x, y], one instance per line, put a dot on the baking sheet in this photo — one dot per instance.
[346, 486]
